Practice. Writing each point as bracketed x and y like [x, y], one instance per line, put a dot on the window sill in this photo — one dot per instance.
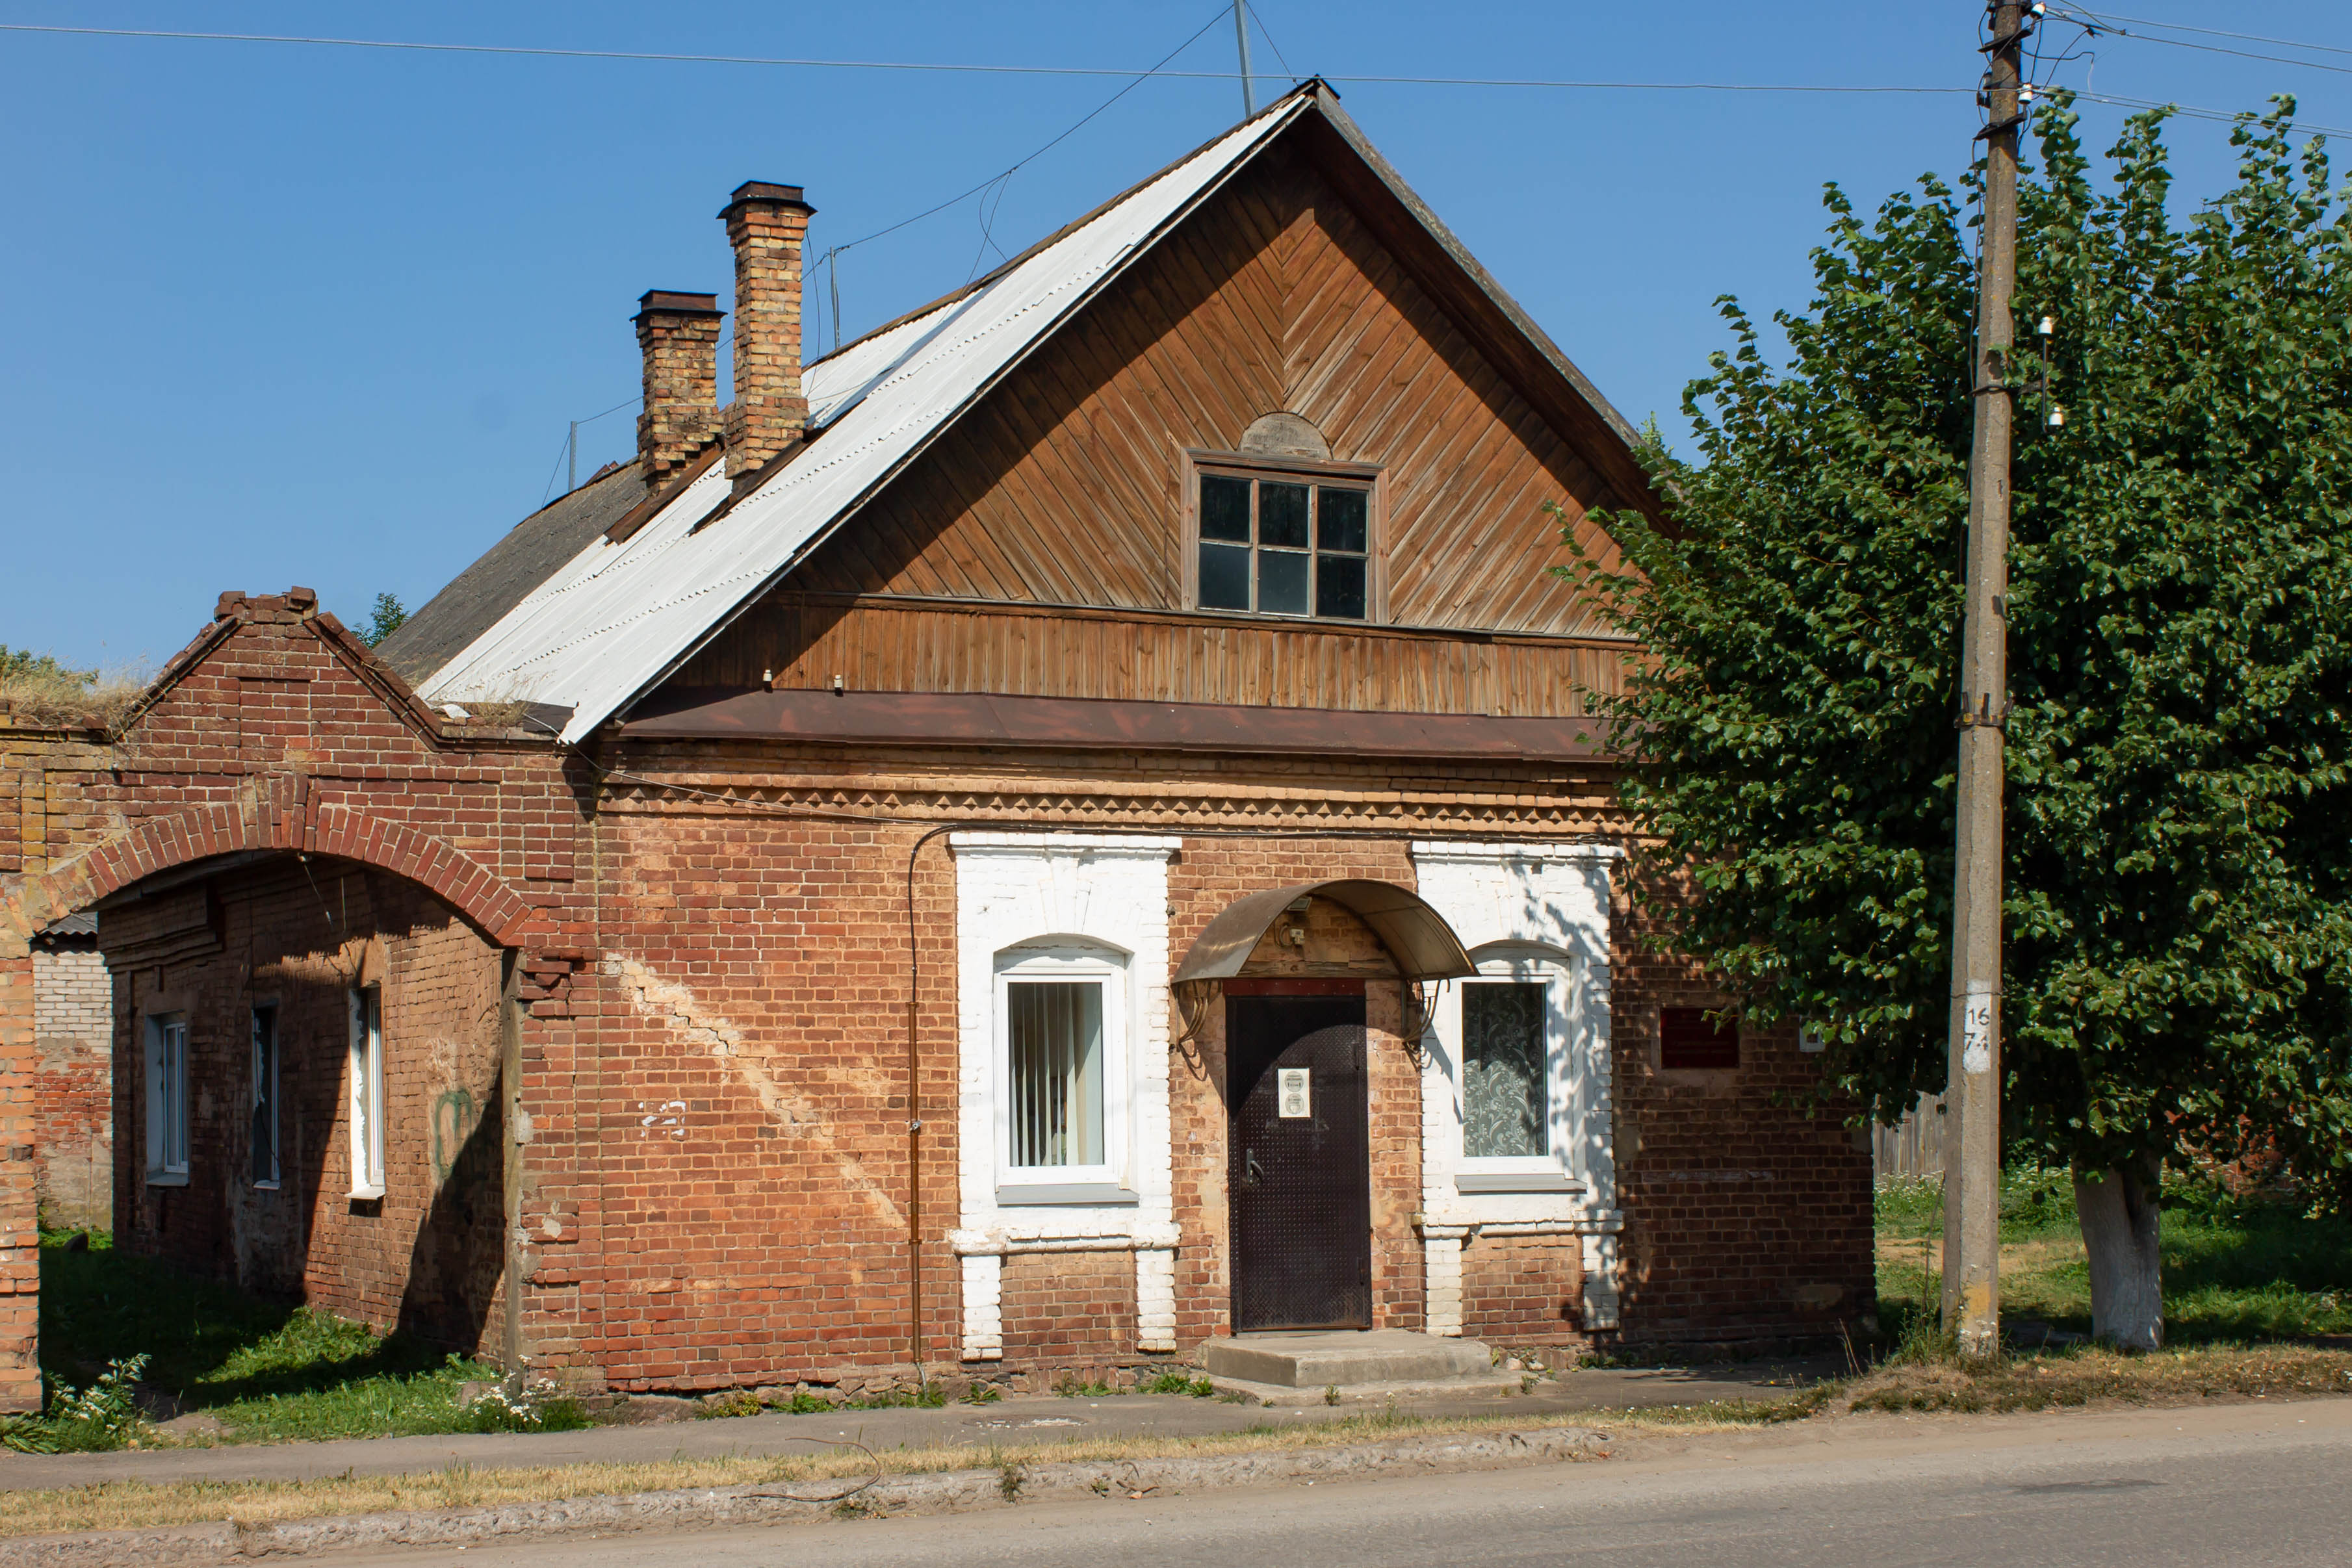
[264, 1187]
[1065, 1192]
[366, 1194]
[1514, 1181]
[167, 1178]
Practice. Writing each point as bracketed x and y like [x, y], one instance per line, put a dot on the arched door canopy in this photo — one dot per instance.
[1416, 936]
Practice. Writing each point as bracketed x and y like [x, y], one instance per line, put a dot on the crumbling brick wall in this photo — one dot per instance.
[425, 1256]
[73, 1095]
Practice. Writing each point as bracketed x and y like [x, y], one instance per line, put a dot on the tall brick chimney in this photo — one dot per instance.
[766, 224]
[679, 336]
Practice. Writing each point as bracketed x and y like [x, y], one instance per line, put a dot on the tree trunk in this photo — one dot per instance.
[2119, 1213]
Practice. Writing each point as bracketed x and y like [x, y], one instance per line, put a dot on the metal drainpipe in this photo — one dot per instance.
[915, 1116]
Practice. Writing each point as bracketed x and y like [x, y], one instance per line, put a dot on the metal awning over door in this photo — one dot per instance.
[1417, 938]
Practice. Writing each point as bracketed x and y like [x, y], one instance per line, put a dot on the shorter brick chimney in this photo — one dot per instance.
[766, 224]
[679, 334]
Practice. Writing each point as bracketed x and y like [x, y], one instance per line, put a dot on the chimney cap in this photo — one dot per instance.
[672, 302]
[766, 191]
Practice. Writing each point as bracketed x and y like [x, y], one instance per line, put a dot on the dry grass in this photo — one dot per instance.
[53, 702]
[2093, 1374]
[136, 1505]
[2030, 1382]
[498, 714]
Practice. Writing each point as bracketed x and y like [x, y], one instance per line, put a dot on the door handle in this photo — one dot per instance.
[1250, 1170]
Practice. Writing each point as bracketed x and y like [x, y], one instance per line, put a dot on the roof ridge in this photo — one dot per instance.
[1098, 210]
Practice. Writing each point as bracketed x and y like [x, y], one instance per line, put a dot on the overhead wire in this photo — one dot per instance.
[2214, 32]
[2106, 23]
[948, 67]
[830, 259]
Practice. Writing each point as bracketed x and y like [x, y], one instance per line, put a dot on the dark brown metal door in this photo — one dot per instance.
[1300, 1172]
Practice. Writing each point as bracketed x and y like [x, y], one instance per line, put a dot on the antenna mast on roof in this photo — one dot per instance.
[1241, 34]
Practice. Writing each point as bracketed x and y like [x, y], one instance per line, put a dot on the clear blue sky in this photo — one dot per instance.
[284, 314]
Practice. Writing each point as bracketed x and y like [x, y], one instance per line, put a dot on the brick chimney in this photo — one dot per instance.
[679, 334]
[766, 224]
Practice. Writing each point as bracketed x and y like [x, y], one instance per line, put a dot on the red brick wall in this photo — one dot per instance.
[1065, 1309]
[714, 1140]
[1523, 1289]
[1748, 1208]
[73, 1095]
[428, 1255]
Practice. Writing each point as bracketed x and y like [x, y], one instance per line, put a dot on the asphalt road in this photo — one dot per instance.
[2250, 1485]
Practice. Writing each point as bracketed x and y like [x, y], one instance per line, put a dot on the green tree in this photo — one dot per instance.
[384, 618]
[24, 664]
[2178, 912]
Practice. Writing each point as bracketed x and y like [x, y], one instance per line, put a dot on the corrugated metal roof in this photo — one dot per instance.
[528, 554]
[618, 618]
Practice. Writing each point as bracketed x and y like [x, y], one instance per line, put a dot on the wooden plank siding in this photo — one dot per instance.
[803, 641]
[1059, 491]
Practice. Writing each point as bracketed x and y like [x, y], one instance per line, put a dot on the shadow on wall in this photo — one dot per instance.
[459, 1252]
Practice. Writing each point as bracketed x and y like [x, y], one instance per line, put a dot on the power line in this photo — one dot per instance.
[830, 259]
[2097, 24]
[2209, 32]
[545, 52]
[2189, 112]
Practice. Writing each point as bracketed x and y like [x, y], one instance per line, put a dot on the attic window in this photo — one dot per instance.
[1273, 539]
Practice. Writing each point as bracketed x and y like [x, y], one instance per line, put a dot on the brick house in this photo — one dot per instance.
[1064, 829]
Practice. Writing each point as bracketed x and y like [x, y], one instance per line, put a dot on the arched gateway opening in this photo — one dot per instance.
[1293, 969]
[309, 1062]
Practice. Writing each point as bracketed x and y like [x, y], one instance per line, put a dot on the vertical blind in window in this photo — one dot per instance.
[1503, 1071]
[1285, 546]
[1057, 1071]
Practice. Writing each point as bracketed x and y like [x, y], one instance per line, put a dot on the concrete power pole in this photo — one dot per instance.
[1972, 1089]
[1241, 35]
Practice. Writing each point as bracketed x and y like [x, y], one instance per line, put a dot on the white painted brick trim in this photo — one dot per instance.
[983, 1308]
[1110, 891]
[1552, 897]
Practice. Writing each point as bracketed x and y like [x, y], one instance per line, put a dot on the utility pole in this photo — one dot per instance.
[1972, 1087]
[1241, 35]
[572, 460]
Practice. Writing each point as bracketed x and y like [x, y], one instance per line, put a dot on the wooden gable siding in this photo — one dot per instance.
[1060, 490]
[804, 641]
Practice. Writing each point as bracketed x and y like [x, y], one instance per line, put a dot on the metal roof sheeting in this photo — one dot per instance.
[619, 617]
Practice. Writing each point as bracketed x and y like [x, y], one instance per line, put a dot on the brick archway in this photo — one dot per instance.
[278, 818]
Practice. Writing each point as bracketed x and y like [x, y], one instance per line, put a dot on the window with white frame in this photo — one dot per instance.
[167, 1100]
[1062, 1075]
[265, 1096]
[367, 1092]
[1515, 1075]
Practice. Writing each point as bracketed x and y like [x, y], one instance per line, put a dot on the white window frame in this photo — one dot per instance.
[1065, 963]
[270, 1088]
[1525, 964]
[366, 1091]
[167, 1100]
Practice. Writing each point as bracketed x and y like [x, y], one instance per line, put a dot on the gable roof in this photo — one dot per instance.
[528, 555]
[619, 617]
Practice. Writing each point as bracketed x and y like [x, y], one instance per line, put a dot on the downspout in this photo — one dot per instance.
[510, 1092]
[915, 1116]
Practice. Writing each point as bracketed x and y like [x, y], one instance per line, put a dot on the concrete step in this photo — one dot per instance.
[1320, 1360]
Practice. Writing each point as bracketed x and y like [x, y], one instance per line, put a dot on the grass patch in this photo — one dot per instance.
[266, 1371]
[2087, 1373]
[2237, 1268]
